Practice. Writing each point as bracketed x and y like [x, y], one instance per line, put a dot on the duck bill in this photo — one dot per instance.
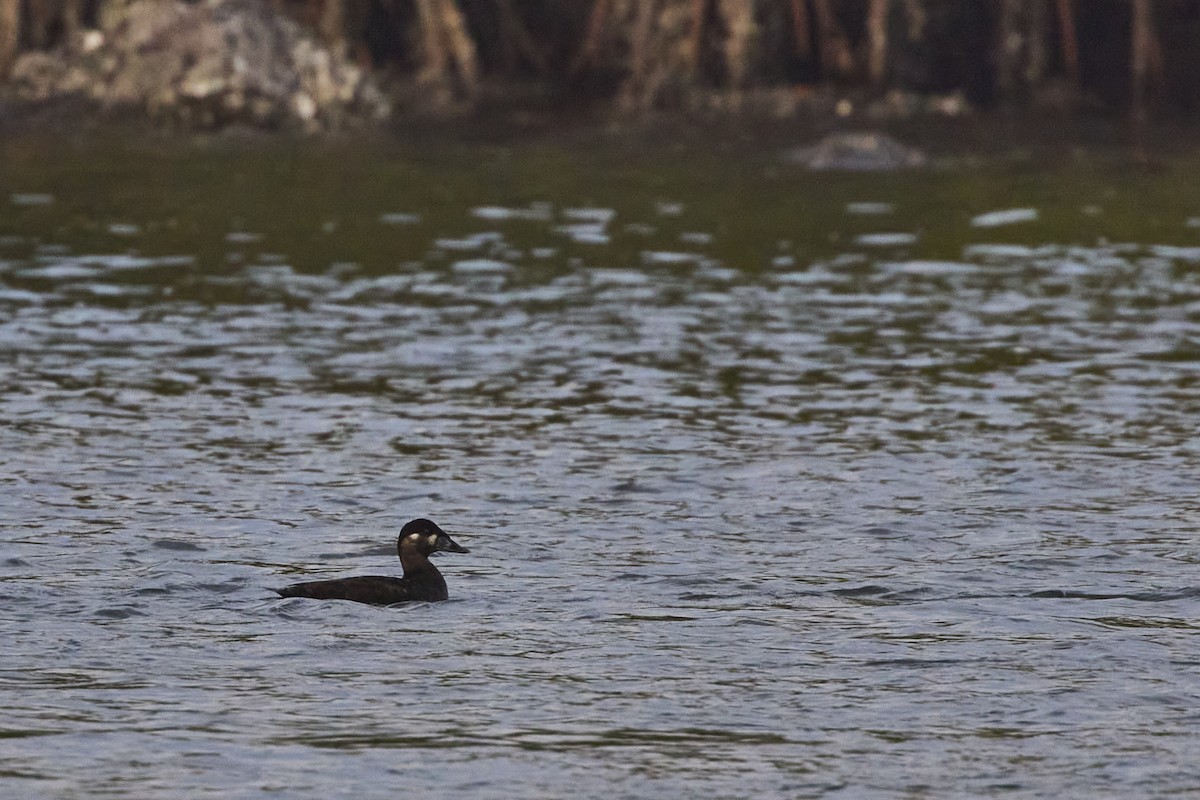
[447, 545]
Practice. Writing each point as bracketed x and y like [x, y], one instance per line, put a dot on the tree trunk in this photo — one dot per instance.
[918, 18]
[1008, 48]
[836, 60]
[801, 28]
[1069, 42]
[640, 90]
[661, 37]
[448, 50]
[741, 34]
[331, 24]
[1037, 35]
[597, 28]
[1140, 55]
[877, 40]
[10, 32]
[520, 38]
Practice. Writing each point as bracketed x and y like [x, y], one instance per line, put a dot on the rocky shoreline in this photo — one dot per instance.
[317, 65]
[249, 65]
[202, 65]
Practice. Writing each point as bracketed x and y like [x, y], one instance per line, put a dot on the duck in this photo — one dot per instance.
[418, 539]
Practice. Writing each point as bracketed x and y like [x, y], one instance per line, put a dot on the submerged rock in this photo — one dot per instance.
[207, 64]
[857, 152]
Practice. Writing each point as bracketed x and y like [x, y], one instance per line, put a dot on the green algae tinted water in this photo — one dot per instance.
[775, 484]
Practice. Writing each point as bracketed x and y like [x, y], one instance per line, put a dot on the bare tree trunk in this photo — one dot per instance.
[433, 52]
[696, 42]
[661, 42]
[1139, 67]
[741, 33]
[596, 27]
[448, 50]
[1022, 46]
[73, 16]
[462, 46]
[637, 92]
[519, 35]
[1069, 42]
[1008, 46]
[38, 14]
[836, 60]
[801, 28]
[1143, 33]
[46, 22]
[877, 40]
[331, 25]
[1037, 34]
[10, 32]
[918, 17]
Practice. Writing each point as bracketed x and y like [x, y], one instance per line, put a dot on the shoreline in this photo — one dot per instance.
[971, 138]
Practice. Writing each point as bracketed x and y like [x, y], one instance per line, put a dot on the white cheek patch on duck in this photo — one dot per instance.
[432, 540]
[414, 537]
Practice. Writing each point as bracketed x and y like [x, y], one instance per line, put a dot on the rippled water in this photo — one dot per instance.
[775, 485]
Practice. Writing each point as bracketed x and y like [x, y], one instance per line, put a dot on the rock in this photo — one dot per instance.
[206, 64]
[858, 152]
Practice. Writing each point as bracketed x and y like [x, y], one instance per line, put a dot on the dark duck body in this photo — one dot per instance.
[418, 540]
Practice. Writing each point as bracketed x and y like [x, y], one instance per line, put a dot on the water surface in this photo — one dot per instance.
[775, 484]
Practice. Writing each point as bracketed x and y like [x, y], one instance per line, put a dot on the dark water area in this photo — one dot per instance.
[776, 484]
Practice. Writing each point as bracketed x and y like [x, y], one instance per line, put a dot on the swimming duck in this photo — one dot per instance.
[421, 581]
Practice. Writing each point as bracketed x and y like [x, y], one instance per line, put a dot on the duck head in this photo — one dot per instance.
[424, 537]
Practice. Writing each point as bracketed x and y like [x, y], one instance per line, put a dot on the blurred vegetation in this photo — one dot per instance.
[1113, 55]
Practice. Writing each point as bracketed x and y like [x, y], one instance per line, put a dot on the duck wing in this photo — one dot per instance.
[376, 590]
